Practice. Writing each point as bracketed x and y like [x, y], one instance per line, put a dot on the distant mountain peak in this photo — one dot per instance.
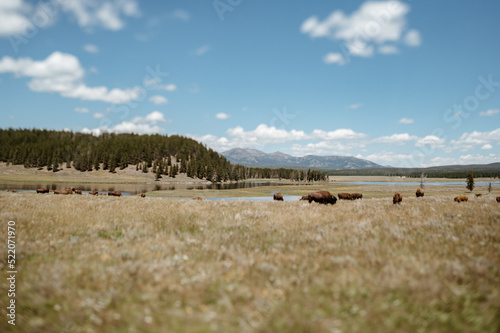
[254, 157]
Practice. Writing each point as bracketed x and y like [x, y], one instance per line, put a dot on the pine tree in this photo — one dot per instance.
[470, 181]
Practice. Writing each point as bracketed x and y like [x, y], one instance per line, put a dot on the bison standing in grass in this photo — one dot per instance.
[322, 197]
[278, 196]
[42, 190]
[419, 193]
[461, 198]
[93, 193]
[63, 192]
[78, 191]
[115, 193]
[355, 196]
[197, 198]
[344, 196]
[498, 199]
[143, 195]
[397, 198]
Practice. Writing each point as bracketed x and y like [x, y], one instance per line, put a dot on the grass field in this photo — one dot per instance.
[105, 264]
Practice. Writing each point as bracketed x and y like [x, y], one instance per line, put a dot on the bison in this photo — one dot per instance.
[13, 191]
[419, 193]
[63, 192]
[355, 196]
[478, 195]
[115, 193]
[278, 196]
[197, 198]
[78, 191]
[461, 198]
[72, 189]
[344, 196]
[304, 198]
[93, 193]
[397, 198]
[322, 197]
[42, 190]
[143, 195]
[102, 194]
[498, 199]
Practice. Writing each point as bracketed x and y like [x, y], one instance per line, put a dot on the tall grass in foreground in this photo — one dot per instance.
[99, 264]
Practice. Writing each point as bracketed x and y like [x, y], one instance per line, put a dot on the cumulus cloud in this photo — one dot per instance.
[91, 48]
[157, 99]
[396, 159]
[221, 115]
[431, 141]
[463, 159]
[489, 113]
[469, 141]
[406, 121]
[155, 84]
[487, 147]
[139, 125]
[375, 24]
[396, 139]
[62, 73]
[19, 17]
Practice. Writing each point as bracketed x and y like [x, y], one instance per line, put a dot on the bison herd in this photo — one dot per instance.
[71, 190]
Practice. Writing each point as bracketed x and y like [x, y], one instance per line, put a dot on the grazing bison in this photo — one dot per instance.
[419, 193]
[197, 198]
[461, 198]
[72, 189]
[479, 195]
[322, 197]
[304, 197]
[498, 199]
[102, 194]
[355, 196]
[93, 193]
[78, 191]
[278, 196]
[344, 196]
[13, 191]
[143, 195]
[115, 193]
[42, 190]
[63, 192]
[397, 198]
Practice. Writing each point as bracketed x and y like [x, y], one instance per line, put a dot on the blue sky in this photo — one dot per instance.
[400, 83]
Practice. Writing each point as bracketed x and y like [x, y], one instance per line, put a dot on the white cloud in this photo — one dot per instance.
[105, 14]
[463, 159]
[153, 83]
[202, 50]
[489, 113]
[91, 48]
[431, 141]
[469, 141]
[334, 58]
[396, 159]
[157, 99]
[326, 148]
[339, 134]
[374, 24]
[487, 147]
[221, 115]
[396, 139]
[412, 38]
[406, 121]
[81, 110]
[139, 125]
[388, 49]
[99, 115]
[20, 17]
[62, 73]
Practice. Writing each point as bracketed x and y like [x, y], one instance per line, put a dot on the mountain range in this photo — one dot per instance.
[257, 158]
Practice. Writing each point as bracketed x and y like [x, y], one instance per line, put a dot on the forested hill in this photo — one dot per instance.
[160, 154]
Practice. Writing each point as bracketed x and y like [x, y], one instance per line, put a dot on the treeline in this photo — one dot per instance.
[453, 171]
[163, 155]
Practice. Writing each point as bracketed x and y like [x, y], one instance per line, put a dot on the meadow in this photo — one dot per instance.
[106, 264]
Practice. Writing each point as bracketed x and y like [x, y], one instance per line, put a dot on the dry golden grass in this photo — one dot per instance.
[105, 264]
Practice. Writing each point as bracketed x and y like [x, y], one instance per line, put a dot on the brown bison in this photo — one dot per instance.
[63, 192]
[78, 191]
[344, 196]
[143, 195]
[498, 199]
[397, 198]
[461, 198]
[93, 193]
[478, 195]
[72, 189]
[419, 193]
[322, 197]
[304, 197]
[115, 193]
[102, 194]
[197, 198]
[278, 196]
[355, 196]
[42, 190]
[13, 191]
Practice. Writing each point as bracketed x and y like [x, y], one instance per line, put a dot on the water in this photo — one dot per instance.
[457, 183]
